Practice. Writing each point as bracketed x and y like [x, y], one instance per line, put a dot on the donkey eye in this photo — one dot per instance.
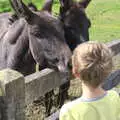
[56, 60]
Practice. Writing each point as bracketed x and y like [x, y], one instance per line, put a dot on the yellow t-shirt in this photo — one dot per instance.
[106, 107]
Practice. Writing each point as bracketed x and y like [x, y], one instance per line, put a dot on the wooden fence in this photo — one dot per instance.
[16, 91]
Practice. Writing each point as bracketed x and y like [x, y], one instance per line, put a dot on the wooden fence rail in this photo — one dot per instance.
[16, 91]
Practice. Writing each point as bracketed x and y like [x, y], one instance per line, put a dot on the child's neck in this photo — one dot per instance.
[91, 92]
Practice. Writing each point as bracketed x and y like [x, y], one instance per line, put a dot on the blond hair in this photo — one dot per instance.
[93, 62]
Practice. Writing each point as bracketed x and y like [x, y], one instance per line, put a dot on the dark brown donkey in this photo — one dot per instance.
[75, 21]
[36, 37]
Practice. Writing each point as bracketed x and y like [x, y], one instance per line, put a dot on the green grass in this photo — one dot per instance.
[5, 6]
[104, 15]
[105, 18]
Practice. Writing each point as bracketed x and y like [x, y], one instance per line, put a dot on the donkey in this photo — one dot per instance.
[31, 37]
[36, 37]
[75, 21]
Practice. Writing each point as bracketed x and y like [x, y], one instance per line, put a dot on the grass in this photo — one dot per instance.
[105, 18]
[104, 15]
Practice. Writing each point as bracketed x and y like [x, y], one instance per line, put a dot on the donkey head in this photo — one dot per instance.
[76, 23]
[46, 37]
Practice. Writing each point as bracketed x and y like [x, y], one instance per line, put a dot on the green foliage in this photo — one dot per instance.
[104, 15]
[4, 6]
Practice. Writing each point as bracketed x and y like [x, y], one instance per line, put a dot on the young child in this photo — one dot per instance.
[92, 63]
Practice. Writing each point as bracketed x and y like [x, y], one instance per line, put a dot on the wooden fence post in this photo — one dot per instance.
[12, 91]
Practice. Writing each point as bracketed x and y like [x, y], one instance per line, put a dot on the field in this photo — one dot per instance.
[104, 16]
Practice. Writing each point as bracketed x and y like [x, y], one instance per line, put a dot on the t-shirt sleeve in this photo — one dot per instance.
[65, 113]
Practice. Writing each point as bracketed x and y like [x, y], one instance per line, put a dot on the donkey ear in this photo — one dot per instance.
[48, 5]
[64, 6]
[21, 9]
[85, 3]
[65, 3]
[32, 6]
[36, 49]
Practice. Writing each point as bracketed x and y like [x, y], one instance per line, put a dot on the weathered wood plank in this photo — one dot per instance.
[115, 46]
[39, 83]
[13, 101]
[112, 80]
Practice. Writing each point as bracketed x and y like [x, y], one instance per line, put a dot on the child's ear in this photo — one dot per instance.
[75, 72]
